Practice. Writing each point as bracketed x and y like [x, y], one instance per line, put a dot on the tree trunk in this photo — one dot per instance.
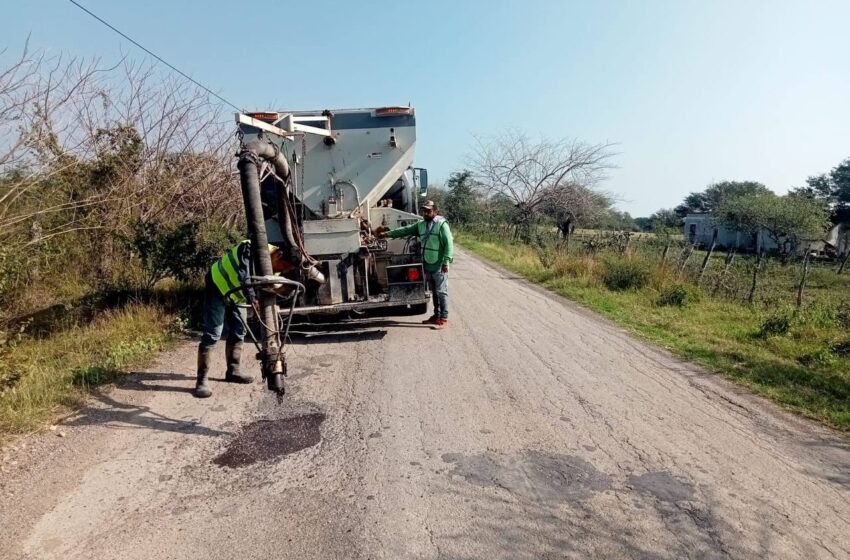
[707, 256]
[664, 253]
[755, 276]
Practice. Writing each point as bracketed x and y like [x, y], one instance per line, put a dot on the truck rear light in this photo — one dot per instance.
[413, 275]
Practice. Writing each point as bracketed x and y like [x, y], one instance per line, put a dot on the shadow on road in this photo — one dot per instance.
[346, 331]
[111, 412]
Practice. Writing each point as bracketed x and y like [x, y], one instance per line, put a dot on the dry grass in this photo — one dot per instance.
[40, 377]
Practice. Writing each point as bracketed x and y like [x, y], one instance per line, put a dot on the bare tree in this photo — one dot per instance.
[527, 171]
[92, 154]
[89, 147]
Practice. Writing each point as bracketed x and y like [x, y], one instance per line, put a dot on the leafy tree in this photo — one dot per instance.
[665, 220]
[715, 195]
[787, 220]
[613, 219]
[461, 201]
[643, 223]
[831, 189]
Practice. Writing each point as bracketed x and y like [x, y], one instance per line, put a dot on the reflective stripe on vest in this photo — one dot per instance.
[225, 274]
[431, 242]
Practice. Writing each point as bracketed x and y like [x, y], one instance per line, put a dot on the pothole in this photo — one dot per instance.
[533, 475]
[266, 439]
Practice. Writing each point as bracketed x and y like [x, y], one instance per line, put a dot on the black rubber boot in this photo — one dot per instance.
[202, 390]
[233, 355]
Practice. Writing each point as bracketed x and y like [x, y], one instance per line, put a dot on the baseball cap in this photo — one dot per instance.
[429, 205]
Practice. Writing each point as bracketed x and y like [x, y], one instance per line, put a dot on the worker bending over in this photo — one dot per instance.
[230, 272]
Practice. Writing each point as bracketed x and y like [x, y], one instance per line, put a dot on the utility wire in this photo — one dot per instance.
[200, 85]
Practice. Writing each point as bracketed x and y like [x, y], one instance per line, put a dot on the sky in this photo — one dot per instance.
[691, 92]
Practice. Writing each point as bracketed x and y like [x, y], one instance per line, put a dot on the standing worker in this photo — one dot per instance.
[437, 244]
[231, 271]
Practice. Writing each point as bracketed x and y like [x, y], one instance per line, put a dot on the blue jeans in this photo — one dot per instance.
[438, 283]
[218, 317]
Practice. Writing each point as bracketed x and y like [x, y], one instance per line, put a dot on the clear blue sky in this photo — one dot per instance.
[693, 91]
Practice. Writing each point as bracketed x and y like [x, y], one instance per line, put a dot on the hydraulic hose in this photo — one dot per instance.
[249, 163]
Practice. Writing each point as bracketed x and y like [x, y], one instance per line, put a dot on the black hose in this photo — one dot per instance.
[249, 165]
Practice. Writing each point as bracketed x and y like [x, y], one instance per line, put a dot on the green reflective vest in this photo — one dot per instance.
[431, 242]
[437, 246]
[225, 274]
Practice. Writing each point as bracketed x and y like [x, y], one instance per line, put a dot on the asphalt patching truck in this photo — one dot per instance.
[317, 184]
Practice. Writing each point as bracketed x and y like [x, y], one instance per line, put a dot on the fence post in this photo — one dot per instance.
[803, 279]
[755, 275]
[685, 260]
[707, 256]
[727, 263]
[844, 260]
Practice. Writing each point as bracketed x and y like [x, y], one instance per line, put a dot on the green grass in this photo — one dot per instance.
[43, 376]
[798, 370]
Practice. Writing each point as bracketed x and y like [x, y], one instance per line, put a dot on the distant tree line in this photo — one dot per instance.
[749, 206]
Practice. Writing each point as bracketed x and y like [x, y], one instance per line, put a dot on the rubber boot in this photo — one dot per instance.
[202, 390]
[233, 355]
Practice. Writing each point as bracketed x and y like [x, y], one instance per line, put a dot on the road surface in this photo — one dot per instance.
[529, 429]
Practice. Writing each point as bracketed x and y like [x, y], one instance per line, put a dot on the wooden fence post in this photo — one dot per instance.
[803, 279]
[664, 253]
[685, 260]
[755, 275]
[727, 263]
[844, 260]
[707, 256]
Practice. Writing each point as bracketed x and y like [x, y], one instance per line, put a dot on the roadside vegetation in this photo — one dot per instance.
[775, 321]
[116, 191]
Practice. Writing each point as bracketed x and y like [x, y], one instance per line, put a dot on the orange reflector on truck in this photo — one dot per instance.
[393, 111]
[269, 117]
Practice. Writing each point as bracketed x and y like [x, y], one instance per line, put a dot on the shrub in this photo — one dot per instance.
[624, 274]
[673, 295]
[841, 349]
[181, 250]
[842, 315]
[545, 252]
[775, 325]
[12, 275]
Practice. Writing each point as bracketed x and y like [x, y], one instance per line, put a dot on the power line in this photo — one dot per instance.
[113, 28]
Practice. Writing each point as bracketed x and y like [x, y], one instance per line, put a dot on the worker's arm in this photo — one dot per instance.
[448, 243]
[404, 231]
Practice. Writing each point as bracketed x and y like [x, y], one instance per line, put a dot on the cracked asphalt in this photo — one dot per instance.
[529, 429]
